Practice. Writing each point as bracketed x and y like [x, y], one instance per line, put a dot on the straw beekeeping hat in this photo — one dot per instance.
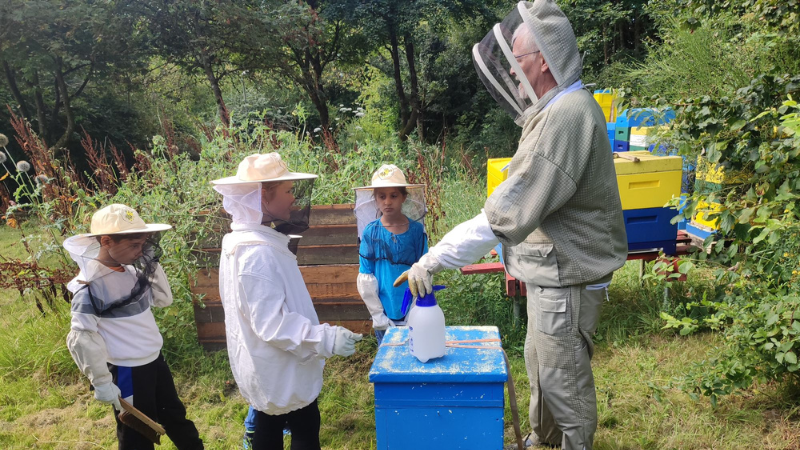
[264, 168]
[389, 175]
[121, 219]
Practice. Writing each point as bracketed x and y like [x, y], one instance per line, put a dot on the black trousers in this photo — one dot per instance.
[303, 423]
[154, 395]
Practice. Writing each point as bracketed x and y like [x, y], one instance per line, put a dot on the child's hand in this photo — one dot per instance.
[345, 342]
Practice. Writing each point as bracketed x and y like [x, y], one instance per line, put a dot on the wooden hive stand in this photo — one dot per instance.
[328, 258]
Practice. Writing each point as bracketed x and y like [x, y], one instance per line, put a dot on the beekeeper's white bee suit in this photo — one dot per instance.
[558, 215]
[276, 345]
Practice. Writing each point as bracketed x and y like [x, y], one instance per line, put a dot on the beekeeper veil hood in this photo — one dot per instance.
[289, 208]
[500, 58]
[119, 241]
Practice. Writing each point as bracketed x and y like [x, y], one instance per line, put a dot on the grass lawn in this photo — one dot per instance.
[46, 404]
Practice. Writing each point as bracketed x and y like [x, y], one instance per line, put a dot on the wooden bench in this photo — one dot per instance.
[328, 258]
[516, 289]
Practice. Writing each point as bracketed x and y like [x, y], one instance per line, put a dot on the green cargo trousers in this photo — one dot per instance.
[558, 353]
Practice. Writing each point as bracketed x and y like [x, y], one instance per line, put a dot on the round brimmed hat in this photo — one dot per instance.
[389, 175]
[258, 168]
[121, 219]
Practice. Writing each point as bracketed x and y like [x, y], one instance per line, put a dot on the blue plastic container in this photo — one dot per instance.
[651, 228]
[453, 402]
[621, 146]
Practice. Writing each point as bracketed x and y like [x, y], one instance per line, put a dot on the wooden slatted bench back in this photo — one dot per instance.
[328, 258]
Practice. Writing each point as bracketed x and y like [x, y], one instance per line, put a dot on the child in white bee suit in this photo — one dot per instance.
[389, 215]
[276, 345]
[114, 338]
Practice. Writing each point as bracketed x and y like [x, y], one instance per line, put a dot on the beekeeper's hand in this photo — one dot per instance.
[108, 393]
[420, 276]
[345, 342]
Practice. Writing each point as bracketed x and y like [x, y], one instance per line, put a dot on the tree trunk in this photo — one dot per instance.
[62, 86]
[214, 82]
[398, 82]
[416, 103]
[41, 115]
[12, 83]
[319, 101]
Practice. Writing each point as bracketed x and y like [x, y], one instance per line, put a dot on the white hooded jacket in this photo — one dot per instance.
[276, 345]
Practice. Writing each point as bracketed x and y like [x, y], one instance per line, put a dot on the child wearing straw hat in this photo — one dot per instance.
[114, 338]
[276, 345]
[389, 214]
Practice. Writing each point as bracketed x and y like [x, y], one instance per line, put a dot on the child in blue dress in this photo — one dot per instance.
[389, 214]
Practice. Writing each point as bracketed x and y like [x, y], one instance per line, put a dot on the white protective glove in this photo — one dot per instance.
[108, 393]
[463, 245]
[420, 275]
[367, 286]
[345, 342]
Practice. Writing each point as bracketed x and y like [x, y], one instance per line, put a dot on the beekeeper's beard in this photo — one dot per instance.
[523, 94]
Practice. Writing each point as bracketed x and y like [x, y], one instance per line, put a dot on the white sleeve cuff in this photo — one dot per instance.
[465, 244]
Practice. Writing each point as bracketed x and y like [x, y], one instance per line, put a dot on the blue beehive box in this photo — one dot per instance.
[621, 146]
[682, 222]
[651, 228]
[453, 402]
[610, 128]
[699, 230]
[644, 117]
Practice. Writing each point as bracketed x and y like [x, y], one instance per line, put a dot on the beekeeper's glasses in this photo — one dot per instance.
[519, 57]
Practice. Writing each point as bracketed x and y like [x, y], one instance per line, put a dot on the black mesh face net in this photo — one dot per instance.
[300, 210]
[142, 268]
[500, 68]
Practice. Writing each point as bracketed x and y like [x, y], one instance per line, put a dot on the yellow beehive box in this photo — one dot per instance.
[703, 211]
[649, 182]
[607, 101]
[714, 173]
[496, 173]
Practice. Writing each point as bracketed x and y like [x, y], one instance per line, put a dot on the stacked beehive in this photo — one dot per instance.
[632, 128]
[710, 179]
[646, 182]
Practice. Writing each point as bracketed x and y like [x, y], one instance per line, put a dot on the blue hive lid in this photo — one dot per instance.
[396, 364]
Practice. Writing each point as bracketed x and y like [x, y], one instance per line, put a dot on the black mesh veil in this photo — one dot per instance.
[107, 298]
[298, 221]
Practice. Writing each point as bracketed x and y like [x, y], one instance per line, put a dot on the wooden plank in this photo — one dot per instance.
[332, 214]
[341, 311]
[327, 254]
[208, 311]
[473, 269]
[211, 332]
[331, 273]
[330, 235]
[320, 293]
[213, 346]
[207, 277]
[356, 326]
[306, 255]
[511, 285]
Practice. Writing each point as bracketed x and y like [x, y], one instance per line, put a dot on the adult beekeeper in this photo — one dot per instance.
[558, 215]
